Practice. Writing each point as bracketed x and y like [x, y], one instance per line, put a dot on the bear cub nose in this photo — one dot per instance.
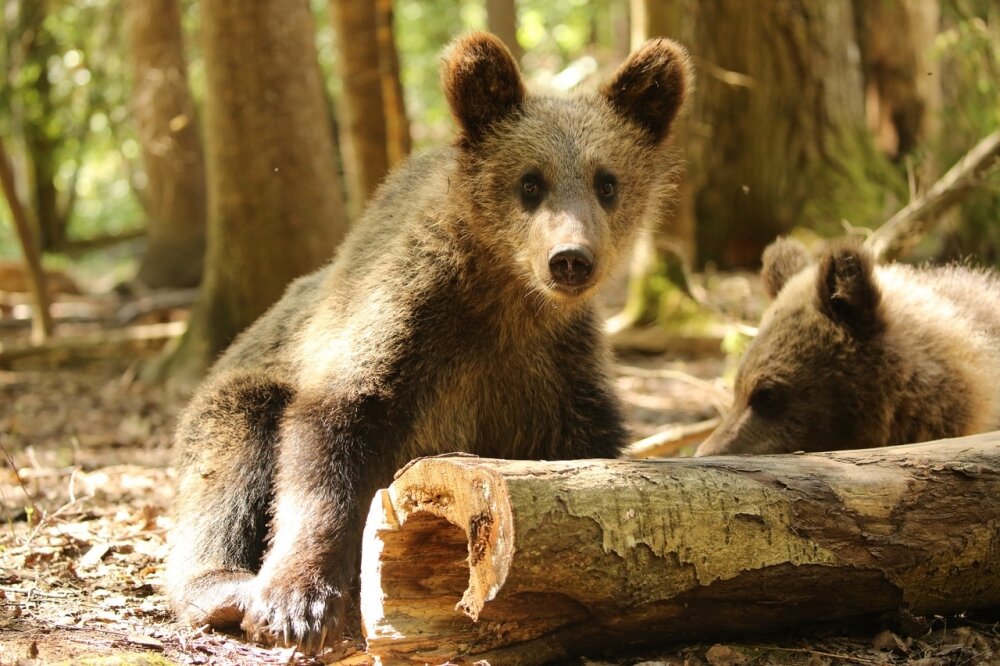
[571, 264]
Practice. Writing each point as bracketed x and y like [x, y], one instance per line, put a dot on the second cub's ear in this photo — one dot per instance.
[781, 260]
[847, 291]
[482, 83]
[650, 86]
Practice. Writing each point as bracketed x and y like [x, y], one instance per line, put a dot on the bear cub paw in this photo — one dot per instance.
[292, 610]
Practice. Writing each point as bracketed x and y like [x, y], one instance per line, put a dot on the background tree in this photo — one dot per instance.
[902, 83]
[397, 124]
[501, 18]
[362, 117]
[780, 112]
[274, 209]
[164, 116]
[656, 276]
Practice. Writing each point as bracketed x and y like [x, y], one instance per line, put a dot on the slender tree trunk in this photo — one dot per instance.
[397, 125]
[164, 116]
[41, 323]
[501, 17]
[363, 121]
[38, 138]
[663, 254]
[274, 208]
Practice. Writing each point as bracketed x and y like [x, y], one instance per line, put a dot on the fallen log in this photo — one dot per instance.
[524, 562]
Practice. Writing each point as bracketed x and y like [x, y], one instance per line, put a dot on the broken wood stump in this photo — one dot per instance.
[523, 562]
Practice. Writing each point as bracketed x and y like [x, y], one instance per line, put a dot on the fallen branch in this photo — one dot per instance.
[904, 228]
[672, 439]
[113, 339]
[657, 340]
[155, 302]
[546, 560]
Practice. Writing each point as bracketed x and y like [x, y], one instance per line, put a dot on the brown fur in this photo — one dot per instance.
[854, 355]
[437, 328]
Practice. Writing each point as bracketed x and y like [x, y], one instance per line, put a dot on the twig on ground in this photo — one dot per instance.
[669, 441]
[20, 481]
[820, 653]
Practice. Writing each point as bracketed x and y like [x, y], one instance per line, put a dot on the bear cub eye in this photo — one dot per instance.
[532, 189]
[606, 186]
[767, 401]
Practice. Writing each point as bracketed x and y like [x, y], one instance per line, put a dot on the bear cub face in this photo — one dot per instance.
[811, 379]
[559, 187]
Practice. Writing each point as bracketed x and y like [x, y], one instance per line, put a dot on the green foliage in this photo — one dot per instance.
[969, 52]
[66, 99]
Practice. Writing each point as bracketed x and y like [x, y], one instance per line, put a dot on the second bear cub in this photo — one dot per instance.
[853, 355]
[457, 316]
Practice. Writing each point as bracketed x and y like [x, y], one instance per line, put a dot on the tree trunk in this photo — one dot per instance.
[671, 245]
[779, 134]
[547, 560]
[38, 137]
[397, 125]
[164, 116]
[274, 208]
[41, 322]
[363, 121]
[501, 18]
[902, 86]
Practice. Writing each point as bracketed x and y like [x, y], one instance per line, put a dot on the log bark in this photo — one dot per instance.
[547, 560]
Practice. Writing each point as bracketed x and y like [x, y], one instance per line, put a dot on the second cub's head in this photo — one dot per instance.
[559, 186]
[814, 378]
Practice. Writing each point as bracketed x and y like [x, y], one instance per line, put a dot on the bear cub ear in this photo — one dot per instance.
[847, 291]
[782, 259]
[481, 82]
[650, 86]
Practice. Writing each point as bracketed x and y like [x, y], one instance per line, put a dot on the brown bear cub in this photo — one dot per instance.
[853, 355]
[457, 316]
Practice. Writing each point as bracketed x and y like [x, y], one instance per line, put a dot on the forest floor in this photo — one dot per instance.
[87, 482]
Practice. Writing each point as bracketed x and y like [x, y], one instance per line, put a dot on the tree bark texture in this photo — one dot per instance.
[164, 116]
[778, 136]
[547, 560]
[363, 120]
[672, 240]
[41, 321]
[39, 139]
[397, 124]
[501, 18]
[274, 206]
[902, 81]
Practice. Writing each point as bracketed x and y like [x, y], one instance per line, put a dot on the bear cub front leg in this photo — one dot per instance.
[300, 595]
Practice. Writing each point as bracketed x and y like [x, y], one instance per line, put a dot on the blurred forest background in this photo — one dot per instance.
[166, 144]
